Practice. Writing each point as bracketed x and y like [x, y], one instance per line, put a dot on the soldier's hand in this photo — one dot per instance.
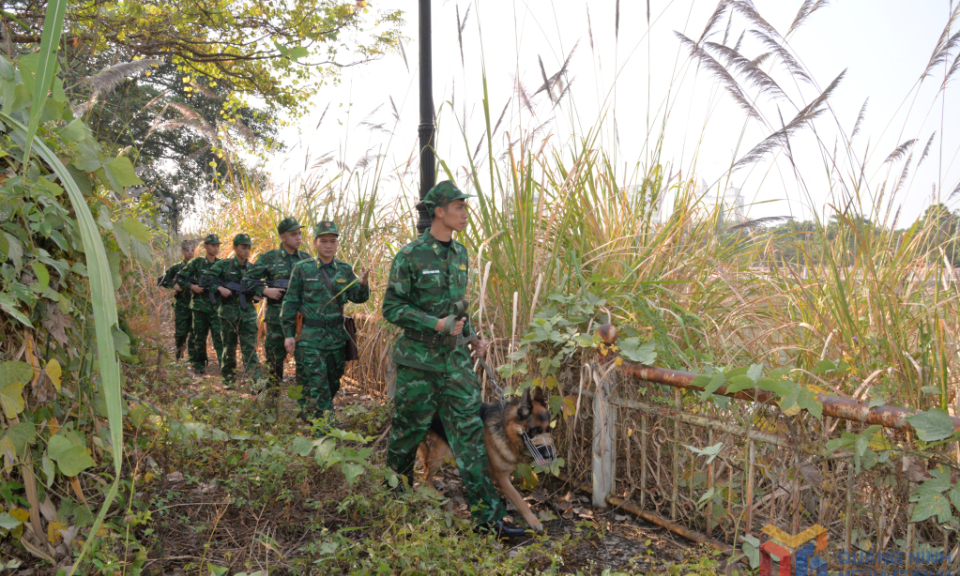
[177, 289]
[458, 329]
[196, 289]
[290, 344]
[257, 299]
[365, 276]
[479, 348]
[273, 293]
[224, 292]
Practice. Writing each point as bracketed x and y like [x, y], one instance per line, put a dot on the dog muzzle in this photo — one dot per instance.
[542, 449]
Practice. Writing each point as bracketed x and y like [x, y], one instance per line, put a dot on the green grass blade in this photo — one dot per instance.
[46, 68]
[103, 299]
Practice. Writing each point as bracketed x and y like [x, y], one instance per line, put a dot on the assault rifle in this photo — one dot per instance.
[279, 283]
[239, 290]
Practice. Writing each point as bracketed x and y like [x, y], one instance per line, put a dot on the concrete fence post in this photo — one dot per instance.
[604, 462]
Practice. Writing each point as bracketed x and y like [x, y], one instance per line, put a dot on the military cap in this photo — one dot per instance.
[442, 194]
[211, 239]
[325, 227]
[242, 239]
[288, 224]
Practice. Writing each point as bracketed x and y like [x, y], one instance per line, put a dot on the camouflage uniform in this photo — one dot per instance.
[426, 280]
[205, 318]
[275, 265]
[320, 350]
[182, 316]
[237, 324]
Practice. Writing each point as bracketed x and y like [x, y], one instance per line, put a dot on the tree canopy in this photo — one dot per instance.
[281, 52]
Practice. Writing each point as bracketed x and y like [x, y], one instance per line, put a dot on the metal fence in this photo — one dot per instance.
[716, 471]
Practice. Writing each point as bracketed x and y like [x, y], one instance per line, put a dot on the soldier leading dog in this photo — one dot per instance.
[504, 430]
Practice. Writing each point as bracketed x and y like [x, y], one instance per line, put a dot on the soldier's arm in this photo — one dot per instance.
[291, 304]
[188, 270]
[357, 293]
[258, 271]
[398, 307]
[168, 277]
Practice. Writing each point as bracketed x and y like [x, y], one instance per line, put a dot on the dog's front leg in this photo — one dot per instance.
[506, 486]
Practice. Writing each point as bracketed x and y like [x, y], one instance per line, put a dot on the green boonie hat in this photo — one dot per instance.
[288, 224]
[211, 239]
[325, 227]
[442, 194]
[242, 239]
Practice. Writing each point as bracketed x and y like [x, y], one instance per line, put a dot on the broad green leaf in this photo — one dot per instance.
[21, 435]
[120, 173]
[700, 381]
[42, 274]
[738, 383]
[123, 239]
[137, 229]
[755, 372]
[10, 305]
[932, 425]
[49, 470]
[46, 67]
[11, 398]
[932, 504]
[351, 471]
[863, 439]
[14, 250]
[15, 371]
[751, 548]
[716, 382]
[807, 399]
[74, 460]
[632, 350]
[57, 445]
[8, 522]
[710, 451]
[302, 446]
[121, 342]
[824, 366]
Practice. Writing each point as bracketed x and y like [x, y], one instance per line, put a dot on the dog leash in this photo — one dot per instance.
[493, 379]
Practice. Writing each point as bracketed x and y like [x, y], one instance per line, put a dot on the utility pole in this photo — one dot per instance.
[427, 129]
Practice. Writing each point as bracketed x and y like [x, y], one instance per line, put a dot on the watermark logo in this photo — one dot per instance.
[800, 555]
[798, 550]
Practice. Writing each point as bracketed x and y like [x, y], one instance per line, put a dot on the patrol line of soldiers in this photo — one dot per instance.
[425, 296]
[211, 297]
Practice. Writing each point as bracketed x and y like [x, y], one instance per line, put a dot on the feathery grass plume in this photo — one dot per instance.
[749, 11]
[793, 67]
[900, 151]
[726, 79]
[951, 72]
[324, 115]
[396, 113]
[460, 27]
[243, 130]
[648, 12]
[548, 83]
[194, 120]
[616, 25]
[203, 90]
[945, 43]
[778, 138]
[926, 149]
[903, 174]
[403, 52]
[502, 114]
[758, 222]
[107, 79]
[748, 69]
[718, 13]
[736, 47]
[955, 192]
[759, 60]
[806, 10]
[859, 122]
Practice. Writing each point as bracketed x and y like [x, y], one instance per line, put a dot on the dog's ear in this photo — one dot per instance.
[538, 395]
[526, 404]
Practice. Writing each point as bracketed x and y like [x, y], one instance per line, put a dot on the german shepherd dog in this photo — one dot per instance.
[504, 428]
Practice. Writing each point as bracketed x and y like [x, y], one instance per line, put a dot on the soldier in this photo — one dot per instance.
[270, 266]
[205, 318]
[425, 297]
[237, 324]
[318, 290]
[182, 316]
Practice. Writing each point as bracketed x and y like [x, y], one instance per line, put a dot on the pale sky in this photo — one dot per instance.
[884, 45]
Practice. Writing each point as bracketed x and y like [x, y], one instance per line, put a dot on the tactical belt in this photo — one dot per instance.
[314, 323]
[437, 339]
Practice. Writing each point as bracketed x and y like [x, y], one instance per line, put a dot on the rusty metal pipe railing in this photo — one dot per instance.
[844, 408]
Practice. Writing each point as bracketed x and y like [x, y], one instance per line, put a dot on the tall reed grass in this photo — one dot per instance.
[879, 304]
